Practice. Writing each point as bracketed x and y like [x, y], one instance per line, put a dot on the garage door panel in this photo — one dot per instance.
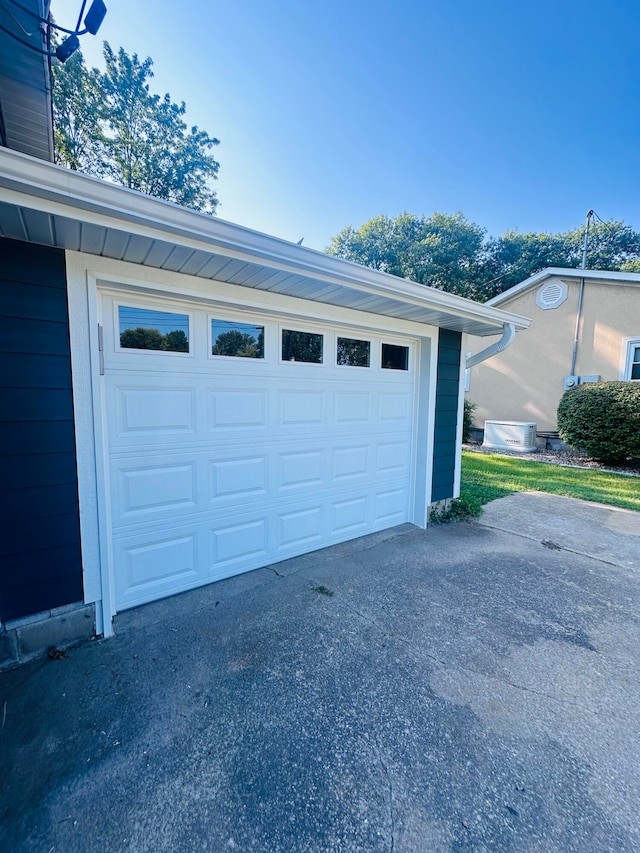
[154, 411]
[150, 408]
[352, 407]
[394, 406]
[238, 545]
[393, 457]
[390, 506]
[192, 482]
[156, 487]
[159, 411]
[301, 469]
[155, 559]
[238, 478]
[299, 529]
[235, 409]
[350, 517]
[151, 568]
[349, 462]
[301, 408]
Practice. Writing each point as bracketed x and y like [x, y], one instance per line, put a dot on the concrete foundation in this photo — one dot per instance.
[22, 640]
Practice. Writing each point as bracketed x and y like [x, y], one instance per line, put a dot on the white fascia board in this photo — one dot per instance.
[59, 191]
[623, 278]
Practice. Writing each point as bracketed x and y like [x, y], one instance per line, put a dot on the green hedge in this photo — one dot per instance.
[602, 418]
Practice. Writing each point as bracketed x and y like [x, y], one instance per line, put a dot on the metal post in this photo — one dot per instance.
[586, 240]
[574, 354]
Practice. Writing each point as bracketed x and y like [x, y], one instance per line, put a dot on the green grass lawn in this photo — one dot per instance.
[486, 477]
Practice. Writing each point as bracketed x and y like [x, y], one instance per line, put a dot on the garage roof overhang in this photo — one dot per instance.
[46, 204]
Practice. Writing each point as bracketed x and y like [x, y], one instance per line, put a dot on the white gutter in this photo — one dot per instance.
[508, 334]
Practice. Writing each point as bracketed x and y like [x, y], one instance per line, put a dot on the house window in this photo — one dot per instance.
[239, 340]
[632, 371]
[143, 328]
[353, 353]
[395, 357]
[301, 346]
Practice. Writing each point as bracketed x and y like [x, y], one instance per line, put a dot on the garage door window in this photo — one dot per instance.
[302, 346]
[395, 357]
[143, 328]
[239, 340]
[353, 353]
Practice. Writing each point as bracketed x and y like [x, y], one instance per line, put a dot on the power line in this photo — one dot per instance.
[25, 42]
[92, 21]
[33, 14]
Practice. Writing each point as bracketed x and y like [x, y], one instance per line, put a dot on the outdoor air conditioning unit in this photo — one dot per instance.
[510, 435]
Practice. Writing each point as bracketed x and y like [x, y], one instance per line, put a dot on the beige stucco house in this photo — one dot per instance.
[585, 328]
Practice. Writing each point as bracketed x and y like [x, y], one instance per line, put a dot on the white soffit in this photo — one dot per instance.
[46, 204]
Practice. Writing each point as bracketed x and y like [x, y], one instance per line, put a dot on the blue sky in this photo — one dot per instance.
[518, 115]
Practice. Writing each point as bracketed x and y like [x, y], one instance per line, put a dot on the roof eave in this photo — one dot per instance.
[565, 273]
[58, 191]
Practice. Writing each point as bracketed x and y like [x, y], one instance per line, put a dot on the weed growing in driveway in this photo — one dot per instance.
[460, 509]
[323, 590]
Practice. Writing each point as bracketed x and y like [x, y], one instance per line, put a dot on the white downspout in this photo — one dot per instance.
[508, 334]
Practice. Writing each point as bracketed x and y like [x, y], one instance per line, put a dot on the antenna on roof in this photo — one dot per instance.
[586, 239]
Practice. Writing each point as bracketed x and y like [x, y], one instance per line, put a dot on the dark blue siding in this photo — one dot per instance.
[447, 399]
[39, 525]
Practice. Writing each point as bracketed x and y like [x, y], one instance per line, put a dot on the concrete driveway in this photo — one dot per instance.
[469, 687]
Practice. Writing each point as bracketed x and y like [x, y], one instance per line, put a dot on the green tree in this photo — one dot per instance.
[77, 131]
[631, 266]
[352, 352]
[453, 254]
[514, 257]
[110, 125]
[238, 343]
[302, 346]
[442, 251]
[142, 338]
[176, 341]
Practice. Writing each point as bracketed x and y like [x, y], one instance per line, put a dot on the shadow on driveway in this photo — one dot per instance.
[460, 688]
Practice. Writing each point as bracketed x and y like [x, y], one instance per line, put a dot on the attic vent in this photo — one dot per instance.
[551, 295]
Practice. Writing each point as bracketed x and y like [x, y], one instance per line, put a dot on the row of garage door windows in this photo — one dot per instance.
[145, 329]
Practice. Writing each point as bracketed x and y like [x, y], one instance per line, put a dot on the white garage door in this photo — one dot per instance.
[236, 441]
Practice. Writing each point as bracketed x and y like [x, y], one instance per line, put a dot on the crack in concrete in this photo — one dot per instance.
[561, 548]
[526, 689]
[575, 586]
